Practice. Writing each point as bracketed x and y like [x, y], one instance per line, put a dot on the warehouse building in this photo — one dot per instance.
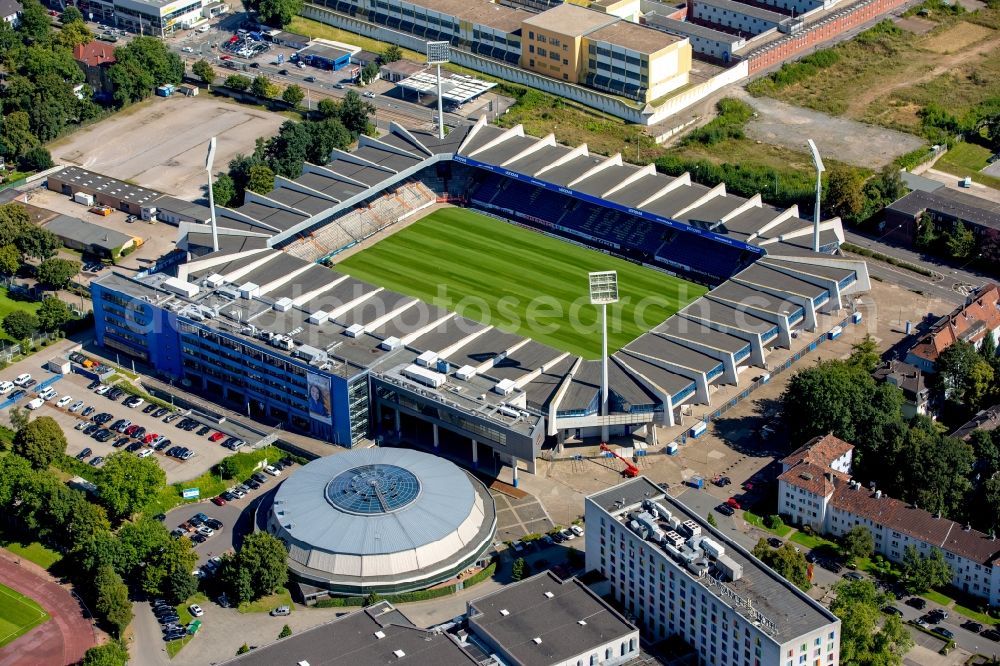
[680, 577]
[91, 238]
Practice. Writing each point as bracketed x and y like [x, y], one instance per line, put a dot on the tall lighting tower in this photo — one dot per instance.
[438, 53]
[818, 163]
[604, 290]
[209, 162]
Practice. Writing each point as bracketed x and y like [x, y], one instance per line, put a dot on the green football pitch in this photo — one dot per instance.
[18, 615]
[518, 280]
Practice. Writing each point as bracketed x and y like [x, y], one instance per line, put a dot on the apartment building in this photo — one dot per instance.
[971, 322]
[602, 51]
[814, 492]
[678, 576]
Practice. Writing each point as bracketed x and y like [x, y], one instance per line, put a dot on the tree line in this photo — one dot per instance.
[338, 126]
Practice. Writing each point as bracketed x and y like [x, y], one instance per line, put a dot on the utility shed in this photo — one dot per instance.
[88, 237]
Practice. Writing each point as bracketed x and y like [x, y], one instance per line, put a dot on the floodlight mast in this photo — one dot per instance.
[604, 290]
[209, 162]
[437, 54]
[818, 163]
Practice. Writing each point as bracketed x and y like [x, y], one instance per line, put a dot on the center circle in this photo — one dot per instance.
[373, 489]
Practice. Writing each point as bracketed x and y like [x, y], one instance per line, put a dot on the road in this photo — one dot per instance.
[966, 640]
[951, 283]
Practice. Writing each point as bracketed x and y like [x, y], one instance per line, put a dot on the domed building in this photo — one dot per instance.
[381, 520]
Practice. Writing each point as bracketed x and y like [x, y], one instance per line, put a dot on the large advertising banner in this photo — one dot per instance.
[320, 407]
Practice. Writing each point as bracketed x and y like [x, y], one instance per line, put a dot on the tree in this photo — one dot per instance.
[960, 241]
[176, 555]
[110, 654]
[140, 66]
[519, 570]
[933, 470]
[276, 13]
[243, 649]
[16, 137]
[369, 73]
[53, 313]
[328, 108]
[20, 324]
[867, 637]
[286, 631]
[962, 376]
[40, 442]
[203, 71]
[858, 542]
[786, 561]
[71, 14]
[355, 113]
[889, 185]
[774, 522]
[238, 82]
[927, 235]
[845, 193]
[392, 53]
[57, 273]
[371, 599]
[42, 244]
[223, 189]
[265, 559]
[19, 417]
[261, 179]
[35, 22]
[711, 520]
[10, 259]
[921, 573]
[293, 94]
[72, 34]
[127, 483]
[325, 136]
[35, 159]
[181, 585]
[262, 87]
[235, 579]
[139, 541]
[112, 599]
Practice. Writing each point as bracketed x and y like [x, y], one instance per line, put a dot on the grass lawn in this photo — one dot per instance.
[8, 305]
[313, 29]
[982, 618]
[518, 280]
[966, 159]
[173, 647]
[811, 542]
[266, 604]
[754, 519]
[937, 597]
[18, 615]
[32, 551]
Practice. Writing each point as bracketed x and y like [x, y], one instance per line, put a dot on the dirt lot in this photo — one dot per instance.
[160, 143]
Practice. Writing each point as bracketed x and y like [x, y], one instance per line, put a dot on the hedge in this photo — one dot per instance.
[139, 393]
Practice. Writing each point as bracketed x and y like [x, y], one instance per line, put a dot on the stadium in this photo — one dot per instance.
[380, 520]
[432, 334]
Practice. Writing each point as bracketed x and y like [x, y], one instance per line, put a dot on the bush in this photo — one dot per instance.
[793, 72]
[733, 115]
[774, 522]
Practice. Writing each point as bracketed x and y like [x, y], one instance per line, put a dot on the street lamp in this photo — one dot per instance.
[209, 161]
[437, 54]
[604, 290]
[818, 163]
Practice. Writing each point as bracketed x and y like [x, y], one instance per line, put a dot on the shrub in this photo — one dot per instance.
[774, 522]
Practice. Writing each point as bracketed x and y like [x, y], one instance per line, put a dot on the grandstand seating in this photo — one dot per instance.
[362, 221]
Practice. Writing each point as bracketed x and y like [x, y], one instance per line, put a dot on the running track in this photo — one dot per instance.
[64, 638]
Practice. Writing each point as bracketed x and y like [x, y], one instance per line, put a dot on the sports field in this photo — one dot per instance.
[518, 280]
[18, 615]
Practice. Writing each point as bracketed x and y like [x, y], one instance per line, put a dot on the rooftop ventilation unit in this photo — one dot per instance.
[312, 355]
[391, 343]
[249, 290]
[428, 359]
[465, 373]
[181, 287]
[504, 612]
[354, 330]
[283, 304]
[214, 280]
[536, 640]
[713, 549]
[399, 654]
[318, 317]
[729, 567]
[582, 623]
[380, 634]
[504, 387]
[693, 528]
[549, 595]
[228, 292]
[675, 539]
[424, 376]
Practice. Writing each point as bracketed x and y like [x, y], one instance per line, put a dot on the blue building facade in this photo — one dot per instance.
[232, 370]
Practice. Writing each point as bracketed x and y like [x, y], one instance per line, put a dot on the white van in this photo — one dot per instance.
[203, 28]
[6, 387]
[21, 380]
[36, 403]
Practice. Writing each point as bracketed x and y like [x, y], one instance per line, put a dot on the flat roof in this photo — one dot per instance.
[119, 189]
[457, 88]
[634, 37]
[745, 9]
[686, 28]
[86, 233]
[567, 19]
[482, 12]
[543, 620]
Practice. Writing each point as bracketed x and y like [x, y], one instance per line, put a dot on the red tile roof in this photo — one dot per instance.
[969, 323]
[820, 451]
[819, 480]
[904, 518]
[94, 54]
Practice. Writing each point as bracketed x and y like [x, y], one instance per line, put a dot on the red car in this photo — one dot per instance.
[148, 439]
[218, 501]
[131, 429]
[216, 437]
[733, 503]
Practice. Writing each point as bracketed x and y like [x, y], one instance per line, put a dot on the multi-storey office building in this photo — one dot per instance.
[679, 576]
[150, 17]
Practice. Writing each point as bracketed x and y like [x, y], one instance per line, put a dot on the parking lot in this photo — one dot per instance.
[206, 453]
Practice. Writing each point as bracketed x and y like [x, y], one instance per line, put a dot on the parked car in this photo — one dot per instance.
[96, 460]
[133, 447]
[216, 437]
[76, 406]
[725, 509]
[733, 503]
[145, 453]
[64, 401]
[939, 614]
[941, 631]
[254, 485]
[853, 575]
[892, 610]
[577, 530]
[774, 542]
[149, 408]
[280, 611]
[218, 501]
[101, 390]
[171, 417]
[84, 454]
[17, 395]
[103, 435]
[214, 523]
[974, 627]
[204, 430]
[195, 610]
[199, 538]
[270, 469]
[22, 380]
[160, 411]
[133, 402]
[120, 442]
[991, 634]
[90, 409]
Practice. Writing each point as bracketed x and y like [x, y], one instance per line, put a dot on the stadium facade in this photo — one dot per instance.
[380, 520]
[260, 326]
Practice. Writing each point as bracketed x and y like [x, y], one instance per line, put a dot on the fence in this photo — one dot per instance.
[8, 350]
